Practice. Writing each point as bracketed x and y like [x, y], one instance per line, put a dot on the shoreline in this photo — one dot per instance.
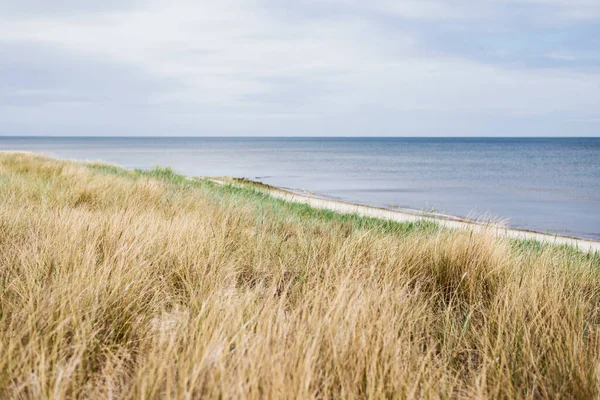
[408, 215]
[401, 215]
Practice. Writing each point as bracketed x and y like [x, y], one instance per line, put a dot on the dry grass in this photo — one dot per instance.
[119, 284]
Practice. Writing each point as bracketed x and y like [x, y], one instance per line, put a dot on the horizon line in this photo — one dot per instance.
[291, 137]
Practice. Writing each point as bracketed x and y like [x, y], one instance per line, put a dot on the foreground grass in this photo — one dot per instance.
[118, 283]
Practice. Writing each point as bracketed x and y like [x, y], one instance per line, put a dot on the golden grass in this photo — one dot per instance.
[120, 285]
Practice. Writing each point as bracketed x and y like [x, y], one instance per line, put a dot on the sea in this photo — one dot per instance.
[542, 184]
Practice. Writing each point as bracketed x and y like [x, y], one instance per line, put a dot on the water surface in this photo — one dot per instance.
[541, 184]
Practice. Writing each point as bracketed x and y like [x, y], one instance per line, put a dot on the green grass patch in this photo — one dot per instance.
[255, 193]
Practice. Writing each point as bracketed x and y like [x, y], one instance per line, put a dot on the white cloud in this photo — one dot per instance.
[418, 9]
[572, 9]
[238, 59]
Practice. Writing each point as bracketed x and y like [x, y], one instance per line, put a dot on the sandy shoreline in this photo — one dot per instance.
[449, 221]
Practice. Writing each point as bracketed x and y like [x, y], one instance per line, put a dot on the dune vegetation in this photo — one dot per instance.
[145, 284]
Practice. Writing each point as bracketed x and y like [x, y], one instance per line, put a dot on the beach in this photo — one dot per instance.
[408, 215]
[300, 200]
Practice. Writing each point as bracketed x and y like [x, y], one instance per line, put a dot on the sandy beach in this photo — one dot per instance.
[405, 215]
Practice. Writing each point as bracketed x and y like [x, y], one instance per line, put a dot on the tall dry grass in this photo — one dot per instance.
[119, 285]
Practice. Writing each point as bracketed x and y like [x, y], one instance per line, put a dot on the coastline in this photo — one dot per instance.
[397, 215]
[409, 215]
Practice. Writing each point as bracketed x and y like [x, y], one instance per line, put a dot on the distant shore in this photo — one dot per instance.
[410, 215]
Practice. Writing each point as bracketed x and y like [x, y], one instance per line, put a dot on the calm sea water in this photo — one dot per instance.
[541, 184]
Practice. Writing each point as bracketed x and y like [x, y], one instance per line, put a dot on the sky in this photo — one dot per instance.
[300, 68]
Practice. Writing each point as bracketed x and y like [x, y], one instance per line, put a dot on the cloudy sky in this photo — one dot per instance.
[304, 67]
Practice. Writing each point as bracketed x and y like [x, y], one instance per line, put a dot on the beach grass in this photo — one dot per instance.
[147, 284]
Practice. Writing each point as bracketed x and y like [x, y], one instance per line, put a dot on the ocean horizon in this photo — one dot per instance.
[542, 184]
